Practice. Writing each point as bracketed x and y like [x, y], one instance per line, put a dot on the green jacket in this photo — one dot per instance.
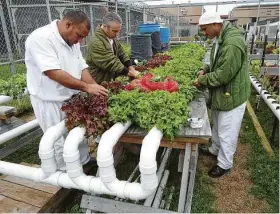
[104, 64]
[227, 77]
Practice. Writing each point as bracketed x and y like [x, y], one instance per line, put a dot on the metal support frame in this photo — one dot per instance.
[13, 28]
[262, 63]
[7, 40]
[276, 37]
[178, 20]
[185, 179]
[246, 31]
[252, 43]
[49, 11]
[127, 15]
[129, 24]
[59, 10]
[193, 165]
[159, 194]
[144, 15]
[265, 43]
[148, 202]
[13, 12]
[91, 19]
[259, 7]
[208, 3]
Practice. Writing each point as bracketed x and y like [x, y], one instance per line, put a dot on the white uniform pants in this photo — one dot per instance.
[225, 132]
[49, 114]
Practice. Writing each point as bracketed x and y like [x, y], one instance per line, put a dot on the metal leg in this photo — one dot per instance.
[258, 100]
[185, 179]
[193, 164]
[148, 202]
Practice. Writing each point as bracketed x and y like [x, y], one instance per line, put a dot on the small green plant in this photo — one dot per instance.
[5, 71]
[14, 86]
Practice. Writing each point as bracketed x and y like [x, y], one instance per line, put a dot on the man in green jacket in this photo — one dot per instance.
[106, 57]
[227, 79]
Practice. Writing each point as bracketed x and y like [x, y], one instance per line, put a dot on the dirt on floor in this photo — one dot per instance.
[28, 117]
[232, 190]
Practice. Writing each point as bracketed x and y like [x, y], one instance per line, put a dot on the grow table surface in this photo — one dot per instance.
[185, 135]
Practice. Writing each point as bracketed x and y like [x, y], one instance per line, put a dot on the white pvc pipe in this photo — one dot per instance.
[71, 152]
[36, 174]
[59, 178]
[147, 164]
[272, 103]
[75, 178]
[18, 131]
[111, 137]
[110, 184]
[105, 158]
[5, 99]
[73, 164]
[46, 147]
[74, 167]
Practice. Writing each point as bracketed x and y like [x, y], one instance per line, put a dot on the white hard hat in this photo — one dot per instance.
[210, 18]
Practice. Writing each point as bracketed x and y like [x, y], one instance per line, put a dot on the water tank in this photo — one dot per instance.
[154, 30]
[164, 34]
[141, 46]
[149, 28]
[156, 44]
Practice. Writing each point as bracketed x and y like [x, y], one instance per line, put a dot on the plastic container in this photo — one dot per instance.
[149, 28]
[156, 44]
[141, 47]
[164, 34]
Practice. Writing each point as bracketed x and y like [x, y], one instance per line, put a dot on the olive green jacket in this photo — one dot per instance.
[104, 64]
[227, 77]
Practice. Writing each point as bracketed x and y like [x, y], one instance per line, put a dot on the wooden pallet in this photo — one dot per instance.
[18, 195]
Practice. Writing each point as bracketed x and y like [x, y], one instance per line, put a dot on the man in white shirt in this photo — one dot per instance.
[56, 70]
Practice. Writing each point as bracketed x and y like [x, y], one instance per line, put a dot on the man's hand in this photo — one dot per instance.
[196, 83]
[133, 73]
[200, 73]
[96, 89]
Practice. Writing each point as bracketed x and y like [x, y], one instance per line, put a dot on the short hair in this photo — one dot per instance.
[111, 17]
[77, 17]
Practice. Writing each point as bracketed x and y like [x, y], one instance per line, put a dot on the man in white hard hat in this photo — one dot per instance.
[227, 79]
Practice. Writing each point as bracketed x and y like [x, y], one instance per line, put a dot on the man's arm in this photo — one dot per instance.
[228, 66]
[87, 78]
[68, 81]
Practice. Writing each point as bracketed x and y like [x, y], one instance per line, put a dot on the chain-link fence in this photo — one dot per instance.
[20, 17]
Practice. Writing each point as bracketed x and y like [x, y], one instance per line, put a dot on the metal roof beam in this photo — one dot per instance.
[203, 3]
